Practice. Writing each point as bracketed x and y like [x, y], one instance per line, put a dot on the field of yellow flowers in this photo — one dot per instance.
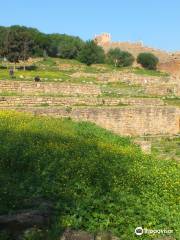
[97, 181]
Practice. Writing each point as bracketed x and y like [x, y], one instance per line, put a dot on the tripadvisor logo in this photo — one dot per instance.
[139, 231]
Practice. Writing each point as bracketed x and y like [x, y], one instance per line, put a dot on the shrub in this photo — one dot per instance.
[91, 53]
[33, 234]
[119, 58]
[148, 60]
[4, 235]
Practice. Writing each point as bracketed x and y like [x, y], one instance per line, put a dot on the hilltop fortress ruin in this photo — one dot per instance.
[168, 61]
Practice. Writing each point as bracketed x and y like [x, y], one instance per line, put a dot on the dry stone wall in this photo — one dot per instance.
[163, 89]
[70, 101]
[131, 121]
[123, 76]
[146, 116]
[152, 85]
[49, 88]
[70, 89]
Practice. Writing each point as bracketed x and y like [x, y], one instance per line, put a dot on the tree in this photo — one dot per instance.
[27, 44]
[69, 46]
[17, 44]
[91, 53]
[148, 60]
[119, 58]
[3, 48]
[36, 43]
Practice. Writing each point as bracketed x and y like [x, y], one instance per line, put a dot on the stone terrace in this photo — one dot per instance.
[132, 121]
[123, 115]
[48, 88]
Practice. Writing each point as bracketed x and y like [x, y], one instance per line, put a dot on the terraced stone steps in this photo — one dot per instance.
[86, 102]
[7, 101]
[75, 89]
[49, 88]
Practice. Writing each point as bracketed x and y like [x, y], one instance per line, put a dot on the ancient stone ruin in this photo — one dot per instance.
[169, 61]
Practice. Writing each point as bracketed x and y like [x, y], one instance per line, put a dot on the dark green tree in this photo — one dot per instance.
[17, 44]
[113, 56]
[91, 53]
[119, 58]
[3, 47]
[148, 60]
[54, 45]
[69, 46]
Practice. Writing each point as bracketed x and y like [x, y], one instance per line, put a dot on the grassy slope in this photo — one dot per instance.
[96, 179]
[61, 70]
[175, 101]
[52, 69]
[167, 147]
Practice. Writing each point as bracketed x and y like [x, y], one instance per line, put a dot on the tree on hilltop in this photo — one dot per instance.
[91, 53]
[3, 47]
[148, 60]
[17, 44]
[54, 45]
[119, 58]
[69, 46]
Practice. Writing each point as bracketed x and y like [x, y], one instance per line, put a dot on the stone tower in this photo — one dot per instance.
[102, 38]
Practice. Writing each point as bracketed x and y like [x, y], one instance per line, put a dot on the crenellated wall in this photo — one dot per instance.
[169, 61]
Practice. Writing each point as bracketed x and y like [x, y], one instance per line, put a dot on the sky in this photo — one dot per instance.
[155, 22]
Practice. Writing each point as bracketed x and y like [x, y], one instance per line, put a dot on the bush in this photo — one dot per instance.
[119, 58]
[4, 235]
[91, 53]
[148, 60]
[33, 234]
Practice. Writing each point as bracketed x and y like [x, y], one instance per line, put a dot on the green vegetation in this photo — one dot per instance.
[119, 89]
[148, 60]
[9, 94]
[142, 71]
[119, 58]
[45, 75]
[175, 101]
[96, 180]
[16, 45]
[166, 147]
[19, 43]
[68, 46]
[91, 53]
[52, 69]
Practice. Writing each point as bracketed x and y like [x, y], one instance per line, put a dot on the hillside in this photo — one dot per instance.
[87, 177]
[96, 180]
[128, 101]
[70, 83]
